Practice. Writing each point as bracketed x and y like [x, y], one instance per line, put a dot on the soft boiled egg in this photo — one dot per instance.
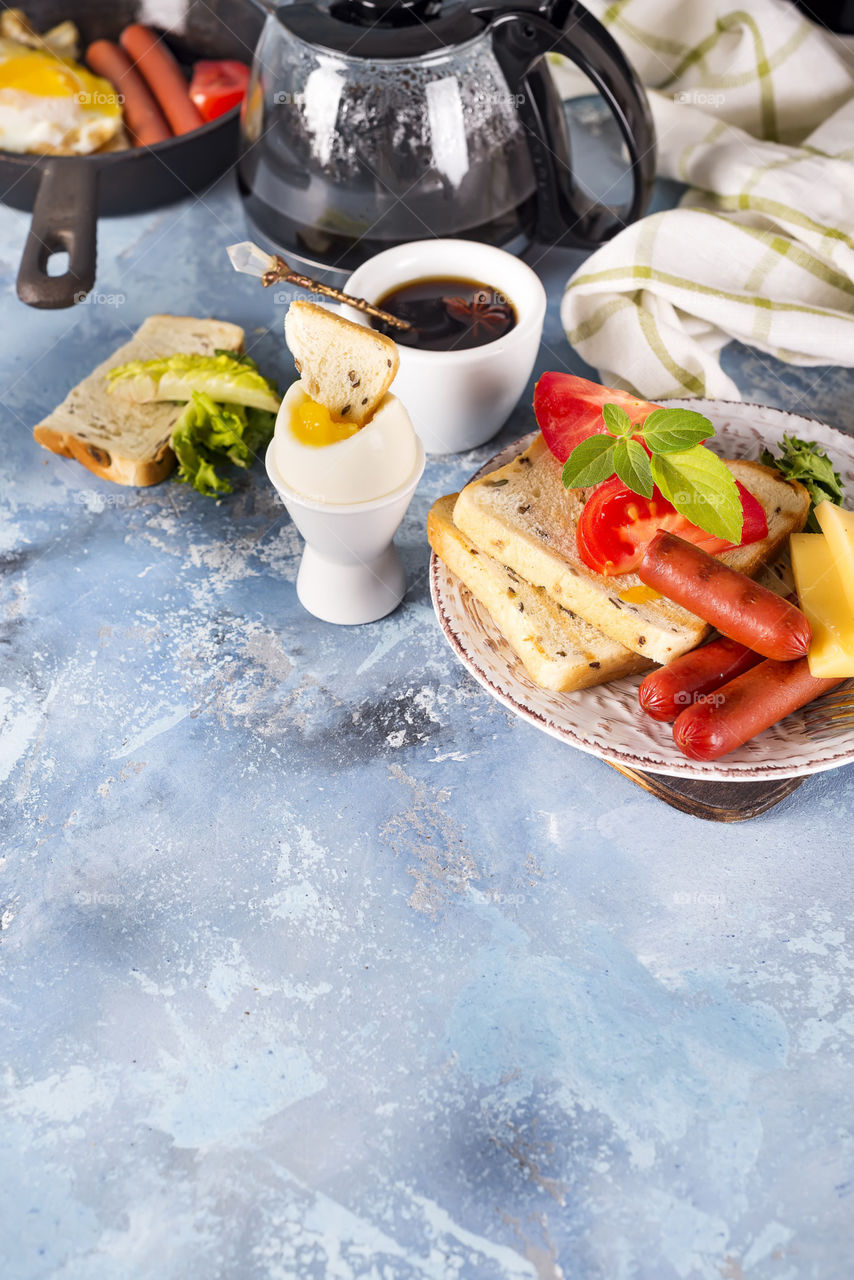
[336, 462]
[50, 105]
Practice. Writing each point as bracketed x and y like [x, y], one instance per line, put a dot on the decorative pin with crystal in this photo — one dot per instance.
[269, 268]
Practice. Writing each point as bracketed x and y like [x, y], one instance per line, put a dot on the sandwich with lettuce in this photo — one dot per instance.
[228, 416]
[179, 391]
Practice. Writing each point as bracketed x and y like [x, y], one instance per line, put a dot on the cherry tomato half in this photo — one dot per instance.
[617, 525]
[569, 409]
[217, 86]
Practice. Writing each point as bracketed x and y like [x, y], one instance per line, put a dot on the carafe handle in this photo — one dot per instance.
[521, 38]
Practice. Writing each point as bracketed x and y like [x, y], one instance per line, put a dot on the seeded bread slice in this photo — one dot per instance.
[120, 441]
[344, 366]
[558, 650]
[523, 515]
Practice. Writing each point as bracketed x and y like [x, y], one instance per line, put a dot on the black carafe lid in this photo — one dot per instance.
[370, 29]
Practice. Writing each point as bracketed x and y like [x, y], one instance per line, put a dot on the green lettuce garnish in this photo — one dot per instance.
[208, 434]
[228, 378]
[808, 463]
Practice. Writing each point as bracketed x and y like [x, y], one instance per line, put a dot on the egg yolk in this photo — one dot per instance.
[45, 76]
[640, 595]
[313, 424]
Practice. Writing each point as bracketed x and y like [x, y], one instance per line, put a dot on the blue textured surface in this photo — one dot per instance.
[317, 962]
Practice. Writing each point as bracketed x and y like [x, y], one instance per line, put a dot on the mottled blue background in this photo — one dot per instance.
[319, 963]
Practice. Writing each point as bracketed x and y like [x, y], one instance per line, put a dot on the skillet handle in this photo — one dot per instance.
[64, 221]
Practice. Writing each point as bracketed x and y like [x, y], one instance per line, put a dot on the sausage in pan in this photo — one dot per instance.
[143, 117]
[163, 76]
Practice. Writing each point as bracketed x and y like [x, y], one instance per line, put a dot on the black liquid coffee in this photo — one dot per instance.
[447, 314]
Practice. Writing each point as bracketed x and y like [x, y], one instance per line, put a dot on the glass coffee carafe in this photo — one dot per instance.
[372, 122]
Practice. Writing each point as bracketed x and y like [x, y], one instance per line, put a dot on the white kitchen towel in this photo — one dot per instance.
[754, 110]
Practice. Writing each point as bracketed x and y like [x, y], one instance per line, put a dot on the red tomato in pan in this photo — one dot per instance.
[217, 86]
[569, 409]
[617, 525]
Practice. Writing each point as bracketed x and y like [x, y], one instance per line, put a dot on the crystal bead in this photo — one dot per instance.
[249, 259]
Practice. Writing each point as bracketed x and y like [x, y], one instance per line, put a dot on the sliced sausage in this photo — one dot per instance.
[665, 693]
[163, 76]
[751, 703]
[739, 607]
[144, 119]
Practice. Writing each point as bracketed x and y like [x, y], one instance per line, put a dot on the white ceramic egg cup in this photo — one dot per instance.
[350, 571]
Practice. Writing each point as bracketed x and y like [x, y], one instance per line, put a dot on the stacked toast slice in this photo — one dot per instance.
[510, 537]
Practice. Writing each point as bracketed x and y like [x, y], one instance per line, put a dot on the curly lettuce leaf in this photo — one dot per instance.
[808, 463]
[208, 434]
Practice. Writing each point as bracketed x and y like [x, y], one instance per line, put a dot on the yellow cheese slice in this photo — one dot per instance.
[826, 605]
[838, 527]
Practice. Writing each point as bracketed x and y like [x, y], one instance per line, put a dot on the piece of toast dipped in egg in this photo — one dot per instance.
[341, 436]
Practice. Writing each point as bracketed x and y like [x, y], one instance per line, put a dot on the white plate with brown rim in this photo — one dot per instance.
[606, 721]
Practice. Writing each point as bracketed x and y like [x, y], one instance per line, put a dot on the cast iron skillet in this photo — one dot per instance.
[66, 193]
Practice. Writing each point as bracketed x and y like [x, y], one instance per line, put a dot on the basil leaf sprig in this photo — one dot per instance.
[689, 476]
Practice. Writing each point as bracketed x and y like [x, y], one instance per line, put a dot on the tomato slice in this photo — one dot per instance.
[617, 525]
[569, 409]
[218, 85]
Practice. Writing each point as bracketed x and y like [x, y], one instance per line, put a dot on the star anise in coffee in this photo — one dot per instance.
[481, 313]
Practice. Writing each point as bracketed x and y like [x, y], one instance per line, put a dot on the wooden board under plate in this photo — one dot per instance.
[713, 800]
